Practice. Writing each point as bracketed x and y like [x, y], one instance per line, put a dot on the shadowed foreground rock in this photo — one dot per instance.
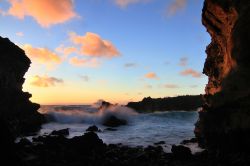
[90, 150]
[16, 110]
[224, 122]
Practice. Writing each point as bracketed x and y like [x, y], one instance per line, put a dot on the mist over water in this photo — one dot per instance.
[142, 129]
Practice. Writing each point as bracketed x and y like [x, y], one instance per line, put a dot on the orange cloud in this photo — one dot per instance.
[191, 72]
[93, 45]
[80, 62]
[183, 61]
[45, 81]
[42, 55]
[125, 3]
[171, 86]
[66, 50]
[176, 6]
[45, 12]
[151, 75]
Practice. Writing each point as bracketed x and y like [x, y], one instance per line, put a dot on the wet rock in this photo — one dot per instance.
[63, 132]
[192, 140]
[93, 128]
[113, 121]
[160, 143]
[24, 142]
[181, 152]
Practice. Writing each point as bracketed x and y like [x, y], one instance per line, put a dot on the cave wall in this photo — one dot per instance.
[16, 110]
[225, 117]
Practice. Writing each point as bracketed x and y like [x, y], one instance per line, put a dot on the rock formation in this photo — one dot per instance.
[224, 122]
[148, 104]
[16, 110]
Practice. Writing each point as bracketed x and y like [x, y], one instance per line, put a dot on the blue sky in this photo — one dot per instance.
[153, 36]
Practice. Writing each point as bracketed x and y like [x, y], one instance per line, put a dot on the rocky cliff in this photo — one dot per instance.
[16, 110]
[224, 122]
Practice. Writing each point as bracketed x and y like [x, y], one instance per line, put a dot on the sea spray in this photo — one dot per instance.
[85, 113]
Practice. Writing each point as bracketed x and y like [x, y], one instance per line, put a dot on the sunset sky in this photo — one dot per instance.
[116, 50]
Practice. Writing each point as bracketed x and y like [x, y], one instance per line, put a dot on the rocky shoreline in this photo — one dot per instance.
[89, 149]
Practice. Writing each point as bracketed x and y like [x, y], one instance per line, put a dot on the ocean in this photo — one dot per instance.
[172, 127]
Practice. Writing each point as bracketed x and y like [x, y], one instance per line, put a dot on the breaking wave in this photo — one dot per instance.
[85, 114]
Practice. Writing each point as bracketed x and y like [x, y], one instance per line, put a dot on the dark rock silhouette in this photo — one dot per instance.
[93, 128]
[16, 109]
[181, 152]
[224, 122]
[113, 121]
[63, 132]
[148, 104]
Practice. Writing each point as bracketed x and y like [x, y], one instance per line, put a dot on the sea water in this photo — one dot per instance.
[142, 129]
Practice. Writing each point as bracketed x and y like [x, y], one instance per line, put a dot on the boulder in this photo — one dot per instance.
[93, 128]
[113, 121]
[63, 132]
[181, 152]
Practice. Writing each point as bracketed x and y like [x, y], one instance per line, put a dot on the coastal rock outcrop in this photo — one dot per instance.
[148, 104]
[19, 114]
[224, 122]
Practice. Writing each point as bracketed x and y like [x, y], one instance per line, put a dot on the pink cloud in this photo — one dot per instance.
[93, 45]
[45, 12]
[175, 7]
[191, 72]
[20, 34]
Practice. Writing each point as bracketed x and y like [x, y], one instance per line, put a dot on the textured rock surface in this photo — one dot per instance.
[225, 119]
[15, 108]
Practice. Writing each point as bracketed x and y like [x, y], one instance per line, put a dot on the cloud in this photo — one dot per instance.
[84, 78]
[170, 86]
[125, 3]
[45, 12]
[82, 62]
[175, 7]
[66, 50]
[183, 61]
[45, 81]
[20, 34]
[151, 75]
[130, 65]
[93, 45]
[42, 55]
[191, 72]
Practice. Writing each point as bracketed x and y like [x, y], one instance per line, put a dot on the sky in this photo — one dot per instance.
[115, 50]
